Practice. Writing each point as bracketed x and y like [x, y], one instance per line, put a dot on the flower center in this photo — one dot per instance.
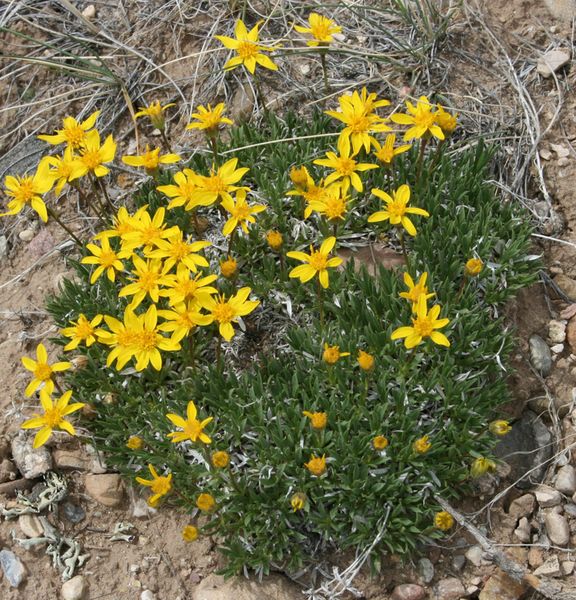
[396, 208]
[193, 429]
[74, 135]
[223, 312]
[148, 279]
[147, 340]
[321, 31]
[52, 417]
[25, 190]
[423, 326]
[214, 183]
[346, 166]
[92, 159]
[84, 329]
[125, 338]
[335, 208]
[247, 50]
[359, 124]
[186, 287]
[317, 260]
[242, 212]
[43, 372]
[108, 258]
[425, 118]
[179, 250]
[151, 159]
[161, 485]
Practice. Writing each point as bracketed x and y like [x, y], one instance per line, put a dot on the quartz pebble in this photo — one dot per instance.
[552, 61]
[30, 462]
[408, 591]
[426, 570]
[522, 506]
[540, 355]
[551, 568]
[450, 589]
[556, 331]
[75, 588]
[566, 480]
[12, 567]
[557, 529]
[522, 532]
[147, 595]
[89, 12]
[548, 497]
[26, 235]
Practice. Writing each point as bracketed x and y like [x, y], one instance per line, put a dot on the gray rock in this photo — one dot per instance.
[570, 509]
[106, 489]
[458, 562]
[71, 459]
[12, 567]
[540, 355]
[408, 591]
[566, 480]
[147, 595]
[450, 589]
[475, 555]
[30, 525]
[31, 463]
[7, 470]
[522, 506]
[75, 588]
[526, 448]
[73, 512]
[3, 246]
[548, 497]
[523, 531]
[557, 331]
[426, 570]
[552, 61]
[551, 568]
[557, 529]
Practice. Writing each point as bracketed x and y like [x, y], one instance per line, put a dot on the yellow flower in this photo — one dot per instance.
[192, 428]
[313, 194]
[135, 442]
[316, 263]
[184, 192]
[147, 231]
[365, 360]
[176, 251]
[345, 168]
[422, 445]
[357, 113]
[322, 29]
[94, 156]
[63, 169]
[182, 288]
[220, 459]
[275, 240]
[332, 204]
[82, 330]
[316, 465]
[240, 211]
[332, 354]
[499, 427]
[421, 118]
[151, 159]
[482, 465]
[227, 311]
[379, 443]
[189, 533]
[209, 119]
[42, 371]
[415, 290]
[53, 417]
[155, 112]
[397, 209]
[318, 420]
[248, 49]
[147, 277]
[122, 337]
[108, 260]
[423, 326]
[443, 520]
[219, 184]
[123, 222]
[300, 177]
[72, 133]
[228, 267]
[27, 190]
[159, 485]
[298, 501]
[446, 121]
[205, 502]
[386, 153]
[473, 267]
[182, 319]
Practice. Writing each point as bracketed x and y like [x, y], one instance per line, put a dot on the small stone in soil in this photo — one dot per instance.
[408, 591]
[75, 588]
[551, 568]
[567, 567]
[458, 562]
[566, 480]
[557, 529]
[73, 512]
[502, 587]
[522, 506]
[548, 497]
[26, 235]
[31, 463]
[552, 61]
[556, 331]
[426, 570]
[106, 489]
[147, 595]
[31, 526]
[522, 532]
[540, 355]
[3, 246]
[450, 589]
[13, 569]
[535, 557]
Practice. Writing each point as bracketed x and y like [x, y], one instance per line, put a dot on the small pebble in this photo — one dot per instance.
[540, 355]
[566, 480]
[557, 529]
[408, 591]
[458, 562]
[426, 570]
[75, 588]
[30, 526]
[147, 595]
[26, 235]
[73, 512]
[12, 567]
[556, 331]
[89, 12]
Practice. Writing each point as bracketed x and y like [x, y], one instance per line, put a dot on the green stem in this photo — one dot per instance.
[214, 147]
[319, 293]
[230, 240]
[64, 227]
[423, 144]
[165, 140]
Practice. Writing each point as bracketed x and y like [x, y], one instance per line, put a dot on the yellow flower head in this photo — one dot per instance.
[316, 465]
[249, 51]
[82, 330]
[365, 360]
[333, 204]
[151, 159]
[316, 263]
[473, 267]
[499, 427]
[219, 184]
[108, 260]
[275, 240]
[182, 288]
[397, 209]
[300, 177]
[175, 250]
[184, 190]
[446, 121]
[443, 520]
[205, 502]
[422, 445]
[241, 213]
[155, 112]
[135, 442]
[42, 371]
[147, 278]
[159, 485]
[189, 533]
[28, 190]
[182, 319]
[424, 325]
[298, 501]
[421, 119]
[63, 169]
[72, 133]
[386, 153]
[318, 420]
[146, 230]
[192, 428]
[228, 267]
[415, 290]
[322, 30]
[379, 443]
[93, 155]
[209, 119]
[220, 459]
[332, 354]
[53, 417]
[482, 465]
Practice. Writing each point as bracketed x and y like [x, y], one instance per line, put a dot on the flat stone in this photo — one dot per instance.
[548, 497]
[408, 591]
[458, 562]
[426, 570]
[557, 348]
[557, 529]
[475, 555]
[75, 588]
[502, 587]
[523, 531]
[551, 568]
[522, 506]
[540, 355]
[73, 512]
[566, 480]
[567, 285]
[535, 557]
[552, 61]
[31, 463]
[571, 334]
[89, 12]
[556, 331]
[74, 460]
[147, 595]
[31, 526]
[274, 587]
[27, 235]
[107, 489]
[450, 588]
[12, 567]
[567, 567]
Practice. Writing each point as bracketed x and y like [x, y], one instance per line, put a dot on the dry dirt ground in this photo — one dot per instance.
[487, 89]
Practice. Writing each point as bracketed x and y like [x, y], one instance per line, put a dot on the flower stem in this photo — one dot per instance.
[165, 140]
[319, 293]
[64, 227]
[423, 144]
[230, 240]
[324, 71]
[214, 147]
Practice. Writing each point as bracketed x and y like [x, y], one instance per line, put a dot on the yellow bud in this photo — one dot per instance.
[134, 442]
[298, 501]
[228, 267]
[220, 459]
[365, 360]
[443, 520]
[473, 267]
[275, 240]
[380, 442]
[189, 533]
